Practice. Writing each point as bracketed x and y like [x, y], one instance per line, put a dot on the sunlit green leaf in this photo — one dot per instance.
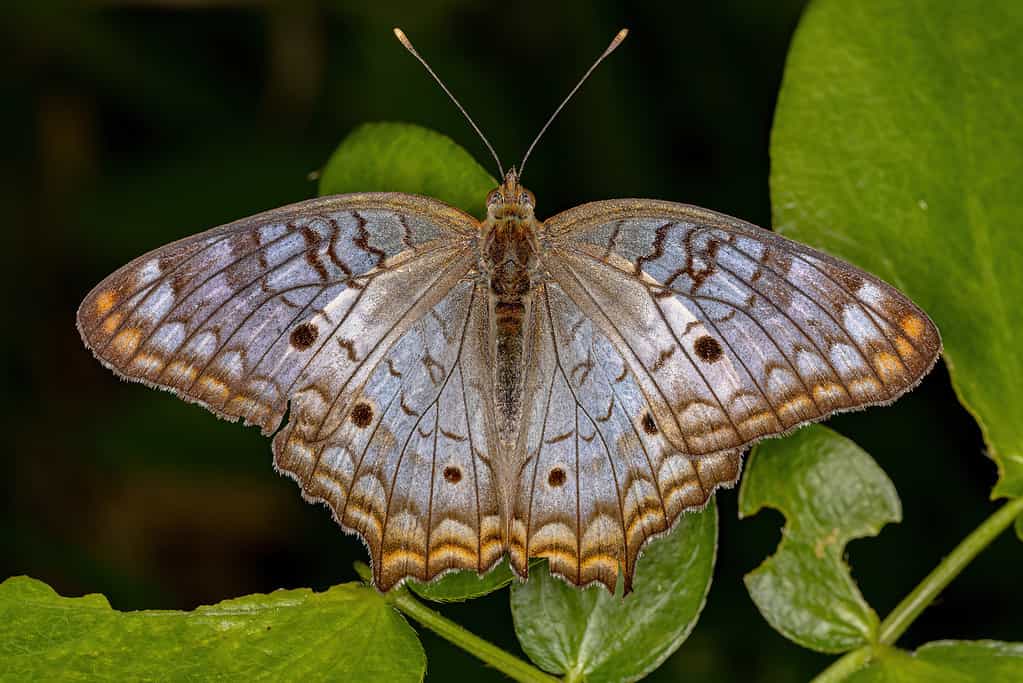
[400, 157]
[898, 145]
[593, 636]
[948, 661]
[346, 633]
[830, 492]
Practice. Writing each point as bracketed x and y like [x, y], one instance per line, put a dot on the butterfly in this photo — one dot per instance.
[460, 390]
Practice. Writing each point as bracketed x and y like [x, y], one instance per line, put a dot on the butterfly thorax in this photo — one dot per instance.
[510, 266]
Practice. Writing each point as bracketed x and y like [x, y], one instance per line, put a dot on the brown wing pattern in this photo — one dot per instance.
[675, 338]
[600, 478]
[401, 455]
[736, 333]
[349, 308]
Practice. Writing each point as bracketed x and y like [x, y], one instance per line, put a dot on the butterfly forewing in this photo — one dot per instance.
[235, 318]
[740, 332]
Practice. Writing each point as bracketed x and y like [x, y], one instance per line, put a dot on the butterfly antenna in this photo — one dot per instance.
[403, 39]
[610, 48]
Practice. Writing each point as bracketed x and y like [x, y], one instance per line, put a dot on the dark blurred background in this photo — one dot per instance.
[131, 124]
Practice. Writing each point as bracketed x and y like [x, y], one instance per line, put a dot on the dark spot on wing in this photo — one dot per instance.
[556, 477]
[303, 336]
[452, 474]
[708, 349]
[362, 415]
[649, 426]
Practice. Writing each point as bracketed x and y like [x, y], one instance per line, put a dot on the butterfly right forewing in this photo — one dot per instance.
[233, 317]
[744, 332]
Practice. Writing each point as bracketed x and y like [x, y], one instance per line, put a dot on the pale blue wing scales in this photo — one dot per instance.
[349, 310]
[210, 317]
[600, 479]
[400, 456]
[797, 333]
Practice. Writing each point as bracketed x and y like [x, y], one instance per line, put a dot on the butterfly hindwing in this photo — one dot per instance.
[599, 479]
[404, 461]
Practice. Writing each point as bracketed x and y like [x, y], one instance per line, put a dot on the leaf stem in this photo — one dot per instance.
[503, 661]
[845, 666]
[917, 601]
[913, 604]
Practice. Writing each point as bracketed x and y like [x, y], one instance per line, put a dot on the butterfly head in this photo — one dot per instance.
[510, 200]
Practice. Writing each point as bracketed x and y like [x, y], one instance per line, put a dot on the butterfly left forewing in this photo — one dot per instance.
[232, 318]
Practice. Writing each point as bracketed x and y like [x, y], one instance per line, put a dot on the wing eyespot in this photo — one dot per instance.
[452, 474]
[556, 477]
[708, 349]
[361, 415]
[303, 336]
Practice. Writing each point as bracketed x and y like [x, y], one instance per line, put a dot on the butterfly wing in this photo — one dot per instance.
[726, 333]
[400, 457]
[751, 334]
[599, 479]
[313, 304]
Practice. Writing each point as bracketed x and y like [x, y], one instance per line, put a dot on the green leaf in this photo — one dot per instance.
[400, 157]
[949, 661]
[465, 584]
[589, 634]
[830, 492]
[346, 633]
[898, 145]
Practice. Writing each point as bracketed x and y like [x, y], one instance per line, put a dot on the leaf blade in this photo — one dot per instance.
[465, 584]
[589, 634]
[830, 492]
[256, 636]
[954, 661]
[898, 145]
[401, 157]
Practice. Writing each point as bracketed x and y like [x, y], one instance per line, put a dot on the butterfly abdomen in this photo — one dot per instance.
[510, 264]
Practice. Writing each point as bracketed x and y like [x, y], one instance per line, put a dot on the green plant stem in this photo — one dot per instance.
[917, 601]
[846, 665]
[913, 604]
[505, 662]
